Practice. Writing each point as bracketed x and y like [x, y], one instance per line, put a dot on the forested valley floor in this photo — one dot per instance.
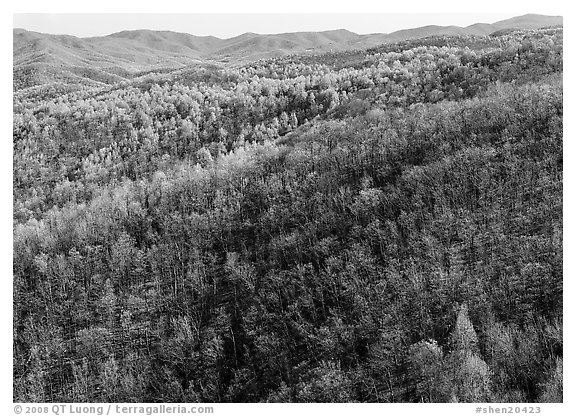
[374, 226]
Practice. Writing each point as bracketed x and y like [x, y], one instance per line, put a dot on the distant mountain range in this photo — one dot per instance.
[40, 57]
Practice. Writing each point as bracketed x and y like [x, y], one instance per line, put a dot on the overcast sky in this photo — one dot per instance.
[229, 25]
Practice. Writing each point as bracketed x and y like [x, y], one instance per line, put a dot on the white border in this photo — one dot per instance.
[549, 7]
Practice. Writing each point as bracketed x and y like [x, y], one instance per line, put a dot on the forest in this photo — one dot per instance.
[377, 225]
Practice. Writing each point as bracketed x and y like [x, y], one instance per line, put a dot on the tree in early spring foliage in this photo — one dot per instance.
[381, 225]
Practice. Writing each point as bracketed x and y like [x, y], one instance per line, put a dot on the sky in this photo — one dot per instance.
[230, 25]
[229, 18]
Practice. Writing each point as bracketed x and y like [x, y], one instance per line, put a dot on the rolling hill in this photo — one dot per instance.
[39, 57]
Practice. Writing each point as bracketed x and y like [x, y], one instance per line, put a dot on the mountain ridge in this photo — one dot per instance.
[144, 49]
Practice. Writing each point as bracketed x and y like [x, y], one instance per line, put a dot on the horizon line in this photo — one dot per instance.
[47, 17]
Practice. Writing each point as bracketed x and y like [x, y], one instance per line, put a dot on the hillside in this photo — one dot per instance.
[41, 57]
[367, 225]
[528, 21]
